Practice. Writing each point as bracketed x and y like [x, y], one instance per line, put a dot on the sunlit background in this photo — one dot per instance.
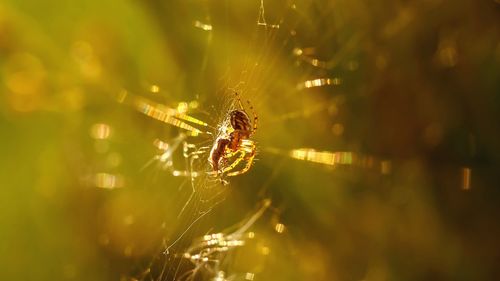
[378, 140]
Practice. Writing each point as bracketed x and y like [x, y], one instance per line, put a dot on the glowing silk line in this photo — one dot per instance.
[322, 157]
[167, 115]
[340, 158]
[306, 54]
[162, 109]
[319, 83]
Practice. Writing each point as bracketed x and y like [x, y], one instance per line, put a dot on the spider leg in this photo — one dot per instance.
[229, 154]
[238, 99]
[255, 117]
[235, 162]
[245, 169]
[248, 147]
[250, 106]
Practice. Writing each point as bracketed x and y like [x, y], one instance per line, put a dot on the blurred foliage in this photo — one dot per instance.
[417, 89]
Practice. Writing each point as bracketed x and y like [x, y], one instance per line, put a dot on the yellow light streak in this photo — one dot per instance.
[307, 54]
[100, 131]
[279, 227]
[203, 26]
[165, 114]
[249, 276]
[108, 181]
[182, 107]
[319, 83]
[345, 158]
[322, 157]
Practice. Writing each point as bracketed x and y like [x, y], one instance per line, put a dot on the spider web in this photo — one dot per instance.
[254, 73]
[245, 77]
[175, 199]
[139, 97]
[274, 67]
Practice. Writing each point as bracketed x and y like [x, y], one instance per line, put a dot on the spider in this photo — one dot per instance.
[234, 141]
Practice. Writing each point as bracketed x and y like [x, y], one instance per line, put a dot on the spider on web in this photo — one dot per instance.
[233, 144]
[232, 147]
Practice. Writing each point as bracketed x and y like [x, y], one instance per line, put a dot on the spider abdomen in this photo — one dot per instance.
[240, 121]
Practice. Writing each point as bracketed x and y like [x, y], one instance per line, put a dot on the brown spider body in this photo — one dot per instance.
[240, 121]
[233, 141]
[217, 152]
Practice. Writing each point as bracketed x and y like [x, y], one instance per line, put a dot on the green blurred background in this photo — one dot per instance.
[416, 90]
